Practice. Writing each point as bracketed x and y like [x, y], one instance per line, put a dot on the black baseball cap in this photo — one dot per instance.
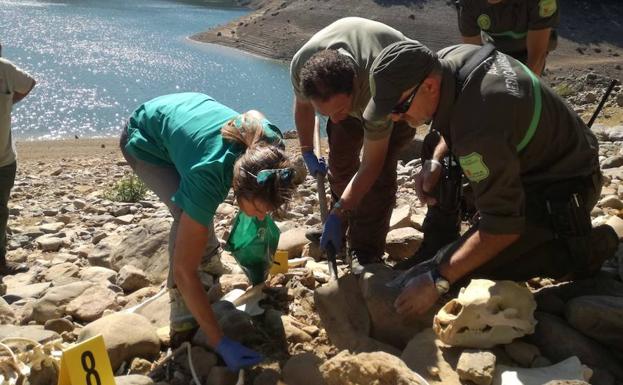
[398, 67]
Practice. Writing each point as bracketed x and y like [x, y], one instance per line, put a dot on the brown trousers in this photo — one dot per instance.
[369, 222]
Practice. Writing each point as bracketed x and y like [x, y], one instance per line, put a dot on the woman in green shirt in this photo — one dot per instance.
[190, 149]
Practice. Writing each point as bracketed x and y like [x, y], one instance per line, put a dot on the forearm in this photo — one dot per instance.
[304, 116]
[537, 43]
[536, 62]
[478, 249]
[441, 150]
[359, 186]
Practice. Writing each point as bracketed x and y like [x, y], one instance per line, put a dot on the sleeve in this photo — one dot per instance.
[376, 130]
[491, 164]
[295, 76]
[543, 14]
[22, 80]
[199, 195]
[467, 13]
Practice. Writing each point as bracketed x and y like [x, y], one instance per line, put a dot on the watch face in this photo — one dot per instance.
[442, 285]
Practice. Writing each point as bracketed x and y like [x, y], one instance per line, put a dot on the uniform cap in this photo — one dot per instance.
[397, 68]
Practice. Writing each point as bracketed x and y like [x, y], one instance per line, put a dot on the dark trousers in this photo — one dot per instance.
[369, 222]
[7, 179]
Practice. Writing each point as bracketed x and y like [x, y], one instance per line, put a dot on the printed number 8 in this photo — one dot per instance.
[90, 369]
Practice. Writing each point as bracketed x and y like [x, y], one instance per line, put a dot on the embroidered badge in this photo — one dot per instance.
[474, 167]
[547, 8]
[484, 22]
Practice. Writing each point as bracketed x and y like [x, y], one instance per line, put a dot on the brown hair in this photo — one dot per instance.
[260, 154]
[327, 73]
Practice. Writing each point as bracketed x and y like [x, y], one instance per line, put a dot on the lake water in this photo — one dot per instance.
[97, 60]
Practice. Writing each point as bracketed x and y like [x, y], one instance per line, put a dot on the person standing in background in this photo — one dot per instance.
[523, 29]
[15, 84]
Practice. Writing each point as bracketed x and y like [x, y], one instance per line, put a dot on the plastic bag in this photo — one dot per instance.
[253, 243]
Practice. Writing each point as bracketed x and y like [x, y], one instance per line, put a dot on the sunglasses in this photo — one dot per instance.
[404, 106]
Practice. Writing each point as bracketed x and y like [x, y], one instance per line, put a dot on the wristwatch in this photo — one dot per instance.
[340, 211]
[441, 284]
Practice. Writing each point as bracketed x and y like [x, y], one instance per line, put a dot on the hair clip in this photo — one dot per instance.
[284, 174]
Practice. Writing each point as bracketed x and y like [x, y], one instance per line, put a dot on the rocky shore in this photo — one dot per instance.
[92, 261]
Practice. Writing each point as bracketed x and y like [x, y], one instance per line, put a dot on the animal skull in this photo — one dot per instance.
[486, 314]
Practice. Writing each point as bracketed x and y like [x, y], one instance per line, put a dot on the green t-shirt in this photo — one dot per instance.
[184, 131]
[361, 40]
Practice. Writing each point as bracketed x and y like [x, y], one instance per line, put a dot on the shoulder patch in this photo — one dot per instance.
[474, 167]
[484, 21]
[547, 7]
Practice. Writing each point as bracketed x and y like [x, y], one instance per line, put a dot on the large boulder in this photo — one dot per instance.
[568, 370]
[599, 317]
[344, 315]
[7, 315]
[402, 243]
[126, 336]
[91, 303]
[145, 247]
[387, 325]
[293, 241]
[559, 341]
[303, 369]
[377, 368]
[53, 303]
[431, 358]
[401, 217]
[32, 332]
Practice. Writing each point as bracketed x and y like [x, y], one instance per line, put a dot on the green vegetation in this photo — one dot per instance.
[128, 189]
[564, 89]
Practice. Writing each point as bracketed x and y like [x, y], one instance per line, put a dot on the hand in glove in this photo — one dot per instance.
[314, 165]
[332, 234]
[236, 355]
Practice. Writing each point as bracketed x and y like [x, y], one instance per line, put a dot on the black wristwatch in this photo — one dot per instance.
[441, 284]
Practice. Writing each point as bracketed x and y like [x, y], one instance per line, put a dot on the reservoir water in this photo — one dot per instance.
[97, 60]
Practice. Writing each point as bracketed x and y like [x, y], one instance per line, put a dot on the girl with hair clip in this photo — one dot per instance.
[190, 149]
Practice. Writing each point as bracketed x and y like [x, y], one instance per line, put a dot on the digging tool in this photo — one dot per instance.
[322, 200]
[601, 103]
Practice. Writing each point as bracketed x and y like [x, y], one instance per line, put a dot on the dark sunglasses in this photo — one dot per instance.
[404, 106]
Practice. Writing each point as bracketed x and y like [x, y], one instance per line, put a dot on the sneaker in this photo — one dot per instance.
[12, 268]
[181, 318]
[604, 244]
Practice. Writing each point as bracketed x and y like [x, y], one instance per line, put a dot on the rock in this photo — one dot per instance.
[599, 317]
[386, 325]
[293, 241]
[126, 336]
[559, 341]
[145, 247]
[91, 303]
[303, 369]
[34, 290]
[590, 286]
[570, 369]
[220, 375]
[402, 243]
[98, 274]
[124, 219]
[32, 332]
[52, 304]
[522, 352]
[133, 379]
[157, 311]
[477, 366]
[267, 377]
[59, 325]
[300, 170]
[62, 273]
[131, 278]
[49, 243]
[101, 254]
[343, 312]
[401, 217]
[52, 228]
[79, 203]
[612, 162]
[611, 201]
[7, 315]
[203, 361]
[293, 333]
[378, 368]
[428, 356]
[617, 224]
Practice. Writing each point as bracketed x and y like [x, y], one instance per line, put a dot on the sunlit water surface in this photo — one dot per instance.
[95, 61]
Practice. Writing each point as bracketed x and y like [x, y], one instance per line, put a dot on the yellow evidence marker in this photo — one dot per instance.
[280, 262]
[86, 363]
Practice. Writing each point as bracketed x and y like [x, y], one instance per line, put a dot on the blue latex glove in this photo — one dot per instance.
[236, 355]
[332, 233]
[314, 165]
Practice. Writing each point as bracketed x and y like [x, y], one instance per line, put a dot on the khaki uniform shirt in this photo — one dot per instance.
[506, 24]
[12, 79]
[509, 131]
[361, 40]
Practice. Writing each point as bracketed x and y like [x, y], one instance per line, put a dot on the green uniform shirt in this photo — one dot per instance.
[184, 131]
[509, 131]
[361, 40]
[506, 24]
[12, 79]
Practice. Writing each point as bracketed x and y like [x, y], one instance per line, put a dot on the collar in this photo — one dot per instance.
[441, 119]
